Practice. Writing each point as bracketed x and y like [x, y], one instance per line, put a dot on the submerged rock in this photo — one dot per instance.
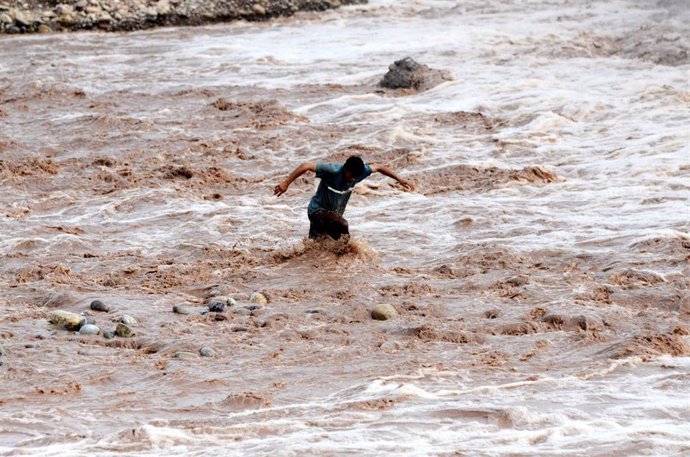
[408, 74]
[207, 352]
[87, 319]
[108, 335]
[66, 320]
[178, 309]
[2, 351]
[123, 331]
[492, 313]
[216, 307]
[383, 312]
[128, 320]
[89, 329]
[258, 297]
[98, 305]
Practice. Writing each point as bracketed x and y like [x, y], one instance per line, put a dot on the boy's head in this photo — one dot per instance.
[354, 167]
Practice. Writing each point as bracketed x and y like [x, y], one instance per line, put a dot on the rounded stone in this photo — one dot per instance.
[227, 301]
[388, 346]
[216, 307]
[89, 329]
[98, 305]
[178, 309]
[207, 352]
[128, 320]
[123, 331]
[258, 297]
[383, 312]
[43, 28]
[108, 335]
[21, 19]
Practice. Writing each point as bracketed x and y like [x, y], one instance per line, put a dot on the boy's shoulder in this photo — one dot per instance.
[325, 168]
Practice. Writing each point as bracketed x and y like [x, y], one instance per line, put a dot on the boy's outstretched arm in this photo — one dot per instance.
[299, 171]
[391, 174]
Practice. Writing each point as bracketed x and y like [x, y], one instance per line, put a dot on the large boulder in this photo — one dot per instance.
[66, 319]
[408, 74]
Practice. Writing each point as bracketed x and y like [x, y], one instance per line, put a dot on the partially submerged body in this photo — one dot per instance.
[328, 204]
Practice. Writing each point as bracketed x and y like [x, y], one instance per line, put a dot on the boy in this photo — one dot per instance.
[327, 206]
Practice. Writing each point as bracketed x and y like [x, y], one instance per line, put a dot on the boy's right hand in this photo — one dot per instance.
[280, 189]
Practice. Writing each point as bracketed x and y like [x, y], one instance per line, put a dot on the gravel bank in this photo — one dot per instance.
[126, 15]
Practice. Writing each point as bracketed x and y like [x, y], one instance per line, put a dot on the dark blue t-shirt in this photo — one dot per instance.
[333, 192]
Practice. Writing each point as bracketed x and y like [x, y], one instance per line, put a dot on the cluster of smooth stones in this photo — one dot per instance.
[85, 323]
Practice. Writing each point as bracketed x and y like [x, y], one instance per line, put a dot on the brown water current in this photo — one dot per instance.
[540, 268]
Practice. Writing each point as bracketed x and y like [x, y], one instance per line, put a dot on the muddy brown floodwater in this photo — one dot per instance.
[540, 268]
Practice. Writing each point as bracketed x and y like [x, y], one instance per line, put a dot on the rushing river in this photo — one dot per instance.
[540, 268]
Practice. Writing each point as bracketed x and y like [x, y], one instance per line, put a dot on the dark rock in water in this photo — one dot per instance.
[400, 74]
[178, 309]
[253, 307]
[216, 307]
[227, 301]
[383, 312]
[408, 74]
[108, 335]
[98, 305]
[2, 352]
[123, 331]
[207, 352]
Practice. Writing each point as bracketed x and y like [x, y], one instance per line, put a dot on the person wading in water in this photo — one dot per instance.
[328, 204]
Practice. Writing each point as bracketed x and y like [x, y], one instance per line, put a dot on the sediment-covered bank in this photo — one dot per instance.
[45, 16]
